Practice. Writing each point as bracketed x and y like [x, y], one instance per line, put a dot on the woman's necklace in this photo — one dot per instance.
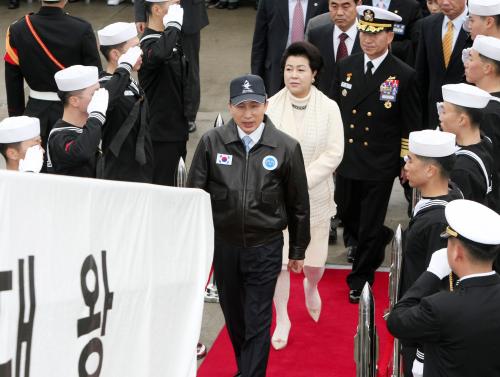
[297, 107]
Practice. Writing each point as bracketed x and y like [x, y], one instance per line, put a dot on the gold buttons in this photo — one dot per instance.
[365, 143]
[352, 126]
[354, 111]
[351, 141]
[367, 129]
[369, 113]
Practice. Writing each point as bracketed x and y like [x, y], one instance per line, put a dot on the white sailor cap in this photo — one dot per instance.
[466, 95]
[472, 221]
[76, 77]
[484, 7]
[155, 1]
[17, 129]
[375, 19]
[432, 143]
[487, 46]
[116, 33]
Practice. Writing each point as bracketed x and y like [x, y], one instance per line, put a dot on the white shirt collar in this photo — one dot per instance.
[376, 62]
[457, 22]
[477, 275]
[352, 32]
[255, 135]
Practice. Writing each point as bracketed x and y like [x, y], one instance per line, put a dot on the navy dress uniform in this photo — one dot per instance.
[127, 150]
[460, 330]
[473, 169]
[73, 149]
[379, 108]
[38, 45]
[258, 187]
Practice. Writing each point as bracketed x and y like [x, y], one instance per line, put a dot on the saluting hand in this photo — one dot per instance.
[295, 265]
[132, 57]
[99, 102]
[175, 15]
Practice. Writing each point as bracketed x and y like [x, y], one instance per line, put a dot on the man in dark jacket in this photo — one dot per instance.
[460, 330]
[256, 178]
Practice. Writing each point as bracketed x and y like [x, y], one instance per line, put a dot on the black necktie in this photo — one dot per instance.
[369, 67]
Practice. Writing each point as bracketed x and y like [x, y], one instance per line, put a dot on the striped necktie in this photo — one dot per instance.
[247, 140]
[448, 44]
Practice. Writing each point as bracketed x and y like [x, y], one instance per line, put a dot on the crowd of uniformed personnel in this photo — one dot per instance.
[417, 85]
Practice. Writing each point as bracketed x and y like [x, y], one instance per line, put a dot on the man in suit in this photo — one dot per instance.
[195, 19]
[438, 61]
[378, 99]
[484, 18]
[336, 40]
[459, 329]
[279, 23]
[410, 11]
[317, 21]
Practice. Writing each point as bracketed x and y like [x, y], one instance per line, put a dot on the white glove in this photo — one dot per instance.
[33, 160]
[99, 102]
[175, 14]
[439, 264]
[131, 57]
[466, 55]
[418, 369]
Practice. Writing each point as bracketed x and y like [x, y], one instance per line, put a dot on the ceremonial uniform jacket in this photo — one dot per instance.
[73, 150]
[490, 126]
[403, 45]
[69, 39]
[460, 330]
[163, 76]
[473, 171]
[126, 141]
[255, 195]
[377, 115]
[422, 237]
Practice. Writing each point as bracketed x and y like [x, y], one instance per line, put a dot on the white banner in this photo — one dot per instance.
[100, 278]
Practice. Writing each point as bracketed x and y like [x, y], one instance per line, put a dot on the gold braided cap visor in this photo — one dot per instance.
[373, 27]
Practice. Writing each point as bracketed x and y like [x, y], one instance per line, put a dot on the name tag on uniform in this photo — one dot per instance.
[389, 90]
[399, 29]
[346, 85]
[224, 159]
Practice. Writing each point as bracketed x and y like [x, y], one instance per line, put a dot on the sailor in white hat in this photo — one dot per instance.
[484, 18]
[460, 330]
[72, 148]
[126, 141]
[461, 114]
[482, 68]
[428, 167]
[20, 143]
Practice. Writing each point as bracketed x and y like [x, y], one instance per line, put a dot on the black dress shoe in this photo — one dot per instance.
[192, 126]
[232, 6]
[354, 295]
[351, 253]
[221, 5]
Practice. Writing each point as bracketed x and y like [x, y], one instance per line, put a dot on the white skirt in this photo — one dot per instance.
[317, 251]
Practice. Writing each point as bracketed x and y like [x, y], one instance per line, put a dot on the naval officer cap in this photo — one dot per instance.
[472, 221]
[466, 95]
[484, 7]
[374, 19]
[487, 46]
[116, 33]
[247, 88]
[76, 77]
[432, 143]
[17, 129]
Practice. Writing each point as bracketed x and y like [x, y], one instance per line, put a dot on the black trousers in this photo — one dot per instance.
[49, 112]
[191, 46]
[363, 205]
[246, 279]
[166, 159]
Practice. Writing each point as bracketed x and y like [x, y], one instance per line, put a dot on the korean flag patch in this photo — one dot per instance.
[224, 159]
[270, 162]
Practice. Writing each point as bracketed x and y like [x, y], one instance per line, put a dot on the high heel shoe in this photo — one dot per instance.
[279, 339]
[314, 311]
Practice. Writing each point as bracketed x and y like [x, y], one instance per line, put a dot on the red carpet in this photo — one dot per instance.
[314, 349]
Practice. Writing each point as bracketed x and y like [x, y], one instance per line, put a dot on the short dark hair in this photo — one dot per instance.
[493, 62]
[148, 8]
[3, 148]
[496, 17]
[480, 252]
[475, 115]
[64, 96]
[444, 164]
[308, 51]
[105, 50]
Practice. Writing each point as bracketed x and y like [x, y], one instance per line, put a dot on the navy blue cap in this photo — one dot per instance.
[247, 88]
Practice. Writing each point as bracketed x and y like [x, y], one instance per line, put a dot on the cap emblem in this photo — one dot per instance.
[247, 87]
[368, 15]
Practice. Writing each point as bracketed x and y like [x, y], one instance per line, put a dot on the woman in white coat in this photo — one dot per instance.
[309, 116]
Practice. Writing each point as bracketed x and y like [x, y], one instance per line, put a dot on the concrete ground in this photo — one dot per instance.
[225, 54]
